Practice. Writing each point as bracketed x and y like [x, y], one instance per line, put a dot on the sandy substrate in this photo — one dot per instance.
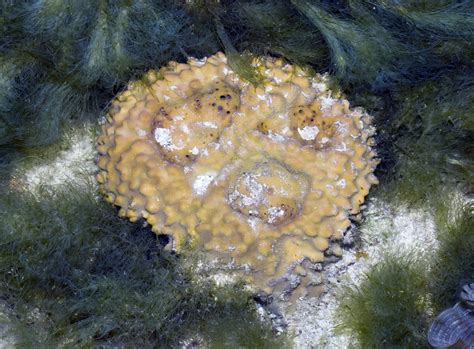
[313, 320]
[385, 229]
[76, 164]
[6, 338]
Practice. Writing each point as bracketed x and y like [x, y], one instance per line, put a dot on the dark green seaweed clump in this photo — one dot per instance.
[74, 274]
[453, 266]
[398, 298]
[428, 141]
[387, 309]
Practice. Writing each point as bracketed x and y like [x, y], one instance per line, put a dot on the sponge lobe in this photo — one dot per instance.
[264, 176]
[184, 129]
[270, 192]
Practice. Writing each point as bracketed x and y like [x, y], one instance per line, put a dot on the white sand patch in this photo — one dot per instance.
[75, 164]
[7, 339]
[385, 229]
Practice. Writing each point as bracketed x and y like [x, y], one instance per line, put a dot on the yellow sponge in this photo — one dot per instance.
[266, 176]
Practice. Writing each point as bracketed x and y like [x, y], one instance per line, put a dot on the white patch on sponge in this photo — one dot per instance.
[201, 183]
[163, 137]
[308, 133]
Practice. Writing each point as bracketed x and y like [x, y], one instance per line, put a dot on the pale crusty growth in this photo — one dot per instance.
[270, 192]
[266, 176]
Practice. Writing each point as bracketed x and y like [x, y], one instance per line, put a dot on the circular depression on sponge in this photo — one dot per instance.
[266, 176]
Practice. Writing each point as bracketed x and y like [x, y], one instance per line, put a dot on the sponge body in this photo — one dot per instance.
[266, 176]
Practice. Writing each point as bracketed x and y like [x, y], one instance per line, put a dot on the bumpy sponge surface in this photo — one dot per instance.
[266, 176]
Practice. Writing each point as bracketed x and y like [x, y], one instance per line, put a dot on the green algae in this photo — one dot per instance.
[396, 300]
[410, 64]
[76, 275]
[454, 261]
[387, 308]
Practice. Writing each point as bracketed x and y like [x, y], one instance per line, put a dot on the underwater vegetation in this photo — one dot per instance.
[387, 308]
[80, 275]
[77, 275]
[64, 62]
[399, 298]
